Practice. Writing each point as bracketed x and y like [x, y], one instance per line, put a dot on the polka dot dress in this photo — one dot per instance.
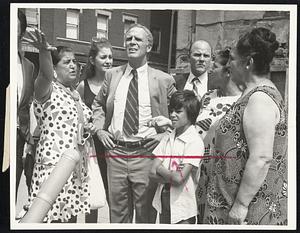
[58, 120]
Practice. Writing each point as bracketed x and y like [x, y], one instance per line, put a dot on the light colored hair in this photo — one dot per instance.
[148, 33]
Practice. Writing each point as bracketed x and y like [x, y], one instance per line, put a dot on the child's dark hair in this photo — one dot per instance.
[188, 100]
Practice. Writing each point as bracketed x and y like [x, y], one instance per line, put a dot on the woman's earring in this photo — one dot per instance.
[55, 74]
[247, 67]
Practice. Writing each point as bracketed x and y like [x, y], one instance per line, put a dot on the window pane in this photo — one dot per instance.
[72, 17]
[31, 16]
[72, 24]
[102, 22]
[72, 32]
[101, 34]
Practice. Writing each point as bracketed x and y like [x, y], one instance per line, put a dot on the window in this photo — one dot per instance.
[32, 17]
[156, 33]
[128, 20]
[102, 26]
[102, 23]
[72, 24]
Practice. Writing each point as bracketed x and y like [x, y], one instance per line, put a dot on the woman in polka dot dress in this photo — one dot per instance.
[60, 111]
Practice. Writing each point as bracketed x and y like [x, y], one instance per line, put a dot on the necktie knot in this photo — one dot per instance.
[195, 80]
[134, 73]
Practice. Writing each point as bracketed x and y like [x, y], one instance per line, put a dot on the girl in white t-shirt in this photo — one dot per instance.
[178, 155]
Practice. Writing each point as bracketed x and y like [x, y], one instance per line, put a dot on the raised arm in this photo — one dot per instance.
[42, 86]
[260, 118]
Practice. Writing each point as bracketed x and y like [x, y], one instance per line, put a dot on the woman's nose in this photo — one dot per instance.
[108, 60]
[73, 64]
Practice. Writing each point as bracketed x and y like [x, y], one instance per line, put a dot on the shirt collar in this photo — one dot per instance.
[139, 70]
[187, 136]
[201, 78]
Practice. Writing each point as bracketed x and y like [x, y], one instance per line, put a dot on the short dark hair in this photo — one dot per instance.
[23, 21]
[96, 45]
[57, 54]
[261, 45]
[188, 100]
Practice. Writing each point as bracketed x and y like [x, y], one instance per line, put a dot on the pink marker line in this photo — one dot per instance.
[164, 156]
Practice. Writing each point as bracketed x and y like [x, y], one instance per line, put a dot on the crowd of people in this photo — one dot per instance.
[207, 147]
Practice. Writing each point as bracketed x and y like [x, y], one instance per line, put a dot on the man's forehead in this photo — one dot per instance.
[136, 30]
[201, 46]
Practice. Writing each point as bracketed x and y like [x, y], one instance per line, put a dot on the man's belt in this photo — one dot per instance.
[131, 145]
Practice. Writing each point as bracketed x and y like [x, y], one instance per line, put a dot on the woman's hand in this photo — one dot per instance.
[37, 39]
[237, 214]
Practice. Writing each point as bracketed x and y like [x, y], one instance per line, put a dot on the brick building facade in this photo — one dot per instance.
[76, 28]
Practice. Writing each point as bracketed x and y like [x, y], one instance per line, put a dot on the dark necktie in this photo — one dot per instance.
[131, 114]
[195, 81]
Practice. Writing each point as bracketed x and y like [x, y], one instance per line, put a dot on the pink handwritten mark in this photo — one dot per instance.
[163, 156]
[176, 165]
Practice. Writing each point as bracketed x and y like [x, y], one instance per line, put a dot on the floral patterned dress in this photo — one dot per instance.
[214, 106]
[269, 206]
[58, 120]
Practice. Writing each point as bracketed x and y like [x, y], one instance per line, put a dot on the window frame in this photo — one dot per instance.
[159, 39]
[78, 11]
[128, 17]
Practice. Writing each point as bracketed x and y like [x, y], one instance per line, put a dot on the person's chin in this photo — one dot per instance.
[104, 69]
[201, 70]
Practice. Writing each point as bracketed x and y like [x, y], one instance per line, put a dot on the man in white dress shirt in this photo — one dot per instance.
[130, 96]
[198, 78]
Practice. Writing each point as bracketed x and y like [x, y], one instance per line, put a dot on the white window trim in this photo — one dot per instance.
[107, 18]
[103, 12]
[129, 17]
[79, 9]
[78, 32]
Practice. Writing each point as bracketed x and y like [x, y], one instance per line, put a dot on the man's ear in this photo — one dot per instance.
[91, 60]
[149, 47]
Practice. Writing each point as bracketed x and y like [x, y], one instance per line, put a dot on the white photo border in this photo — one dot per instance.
[292, 8]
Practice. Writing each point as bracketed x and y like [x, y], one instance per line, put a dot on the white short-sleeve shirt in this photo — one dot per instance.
[187, 148]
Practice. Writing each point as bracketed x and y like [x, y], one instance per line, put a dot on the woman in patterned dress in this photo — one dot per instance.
[214, 104]
[99, 61]
[60, 112]
[248, 180]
